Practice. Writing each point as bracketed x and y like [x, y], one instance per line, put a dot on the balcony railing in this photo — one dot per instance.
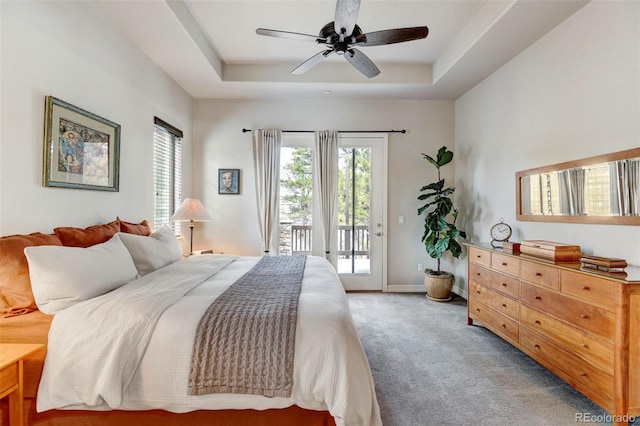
[299, 240]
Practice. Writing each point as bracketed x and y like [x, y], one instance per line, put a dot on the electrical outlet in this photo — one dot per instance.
[419, 267]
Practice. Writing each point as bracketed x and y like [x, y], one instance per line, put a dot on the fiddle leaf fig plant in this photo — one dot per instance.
[440, 234]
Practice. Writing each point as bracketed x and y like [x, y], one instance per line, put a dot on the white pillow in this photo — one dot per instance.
[63, 276]
[153, 252]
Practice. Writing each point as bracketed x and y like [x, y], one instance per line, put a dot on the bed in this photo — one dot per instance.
[80, 384]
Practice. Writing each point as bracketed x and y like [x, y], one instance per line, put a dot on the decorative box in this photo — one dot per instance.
[550, 250]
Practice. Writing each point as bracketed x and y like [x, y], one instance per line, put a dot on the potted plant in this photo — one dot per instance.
[440, 234]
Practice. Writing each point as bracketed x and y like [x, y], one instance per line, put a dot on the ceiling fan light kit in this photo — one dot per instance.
[341, 35]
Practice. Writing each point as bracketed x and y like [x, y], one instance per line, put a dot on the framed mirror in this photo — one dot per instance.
[603, 189]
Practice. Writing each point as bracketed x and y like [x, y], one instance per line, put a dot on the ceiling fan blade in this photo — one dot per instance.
[362, 62]
[397, 35]
[290, 35]
[311, 62]
[346, 16]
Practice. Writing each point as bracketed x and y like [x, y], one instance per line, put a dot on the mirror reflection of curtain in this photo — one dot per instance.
[266, 164]
[571, 183]
[614, 188]
[326, 175]
[525, 188]
[625, 187]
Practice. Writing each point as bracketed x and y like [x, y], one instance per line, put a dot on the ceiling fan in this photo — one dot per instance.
[341, 35]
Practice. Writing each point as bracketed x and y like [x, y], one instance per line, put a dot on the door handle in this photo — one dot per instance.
[378, 234]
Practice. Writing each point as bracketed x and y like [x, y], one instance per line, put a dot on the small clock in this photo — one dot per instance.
[500, 232]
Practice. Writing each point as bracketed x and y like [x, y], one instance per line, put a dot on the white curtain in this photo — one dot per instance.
[326, 176]
[266, 165]
[627, 180]
[572, 183]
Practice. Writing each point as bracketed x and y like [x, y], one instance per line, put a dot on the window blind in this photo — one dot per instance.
[167, 160]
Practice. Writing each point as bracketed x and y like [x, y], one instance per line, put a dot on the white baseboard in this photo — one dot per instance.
[460, 292]
[405, 289]
[420, 289]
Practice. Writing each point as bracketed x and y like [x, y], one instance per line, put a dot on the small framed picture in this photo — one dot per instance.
[229, 181]
[81, 149]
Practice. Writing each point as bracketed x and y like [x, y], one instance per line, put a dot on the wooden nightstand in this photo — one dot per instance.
[11, 360]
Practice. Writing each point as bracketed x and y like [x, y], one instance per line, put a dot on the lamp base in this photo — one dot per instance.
[191, 239]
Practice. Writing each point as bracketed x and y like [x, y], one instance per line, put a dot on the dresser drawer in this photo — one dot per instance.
[548, 276]
[494, 321]
[505, 264]
[571, 310]
[505, 284]
[479, 256]
[593, 289]
[596, 351]
[494, 300]
[580, 373]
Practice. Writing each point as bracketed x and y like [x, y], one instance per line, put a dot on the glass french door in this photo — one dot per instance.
[362, 182]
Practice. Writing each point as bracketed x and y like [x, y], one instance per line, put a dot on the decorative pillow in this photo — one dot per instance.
[87, 237]
[142, 228]
[16, 297]
[153, 252]
[64, 276]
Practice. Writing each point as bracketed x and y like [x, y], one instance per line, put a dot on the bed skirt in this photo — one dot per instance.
[292, 416]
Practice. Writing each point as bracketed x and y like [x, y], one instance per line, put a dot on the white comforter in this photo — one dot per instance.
[131, 349]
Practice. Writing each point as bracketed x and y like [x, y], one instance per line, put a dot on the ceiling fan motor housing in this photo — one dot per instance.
[328, 32]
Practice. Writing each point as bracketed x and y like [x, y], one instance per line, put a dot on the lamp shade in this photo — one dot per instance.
[191, 209]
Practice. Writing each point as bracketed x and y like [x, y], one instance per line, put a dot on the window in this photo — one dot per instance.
[167, 161]
[296, 197]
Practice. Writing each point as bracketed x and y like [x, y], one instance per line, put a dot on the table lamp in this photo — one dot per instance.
[191, 210]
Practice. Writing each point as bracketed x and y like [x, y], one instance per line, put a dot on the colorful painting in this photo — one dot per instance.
[81, 149]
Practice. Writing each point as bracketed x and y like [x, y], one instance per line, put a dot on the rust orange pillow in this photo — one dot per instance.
[87, 237]
[143, 228]
[16, 297]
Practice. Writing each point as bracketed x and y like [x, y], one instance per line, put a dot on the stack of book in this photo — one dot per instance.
[511, 248]
[607, 264]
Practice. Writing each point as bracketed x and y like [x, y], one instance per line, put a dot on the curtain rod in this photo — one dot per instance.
[339, 131]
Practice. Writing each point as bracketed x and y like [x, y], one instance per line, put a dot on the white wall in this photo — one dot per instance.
[573, 94]
[70, 51]
[219, 143]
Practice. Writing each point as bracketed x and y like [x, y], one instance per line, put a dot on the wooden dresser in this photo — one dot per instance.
[582, 325]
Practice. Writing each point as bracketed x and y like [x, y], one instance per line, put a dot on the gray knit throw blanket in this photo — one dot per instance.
[245, 340]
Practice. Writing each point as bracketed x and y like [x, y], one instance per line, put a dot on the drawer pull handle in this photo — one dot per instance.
[538, 274]
[585, 287]
[478, 291]
[537, 322]
[584, 316]
[504, 284]
[538, 298]
[583, 374]
[583, 345]
[478, 273]
[504, 263]
[478, 309]
[478, 256]
[536, 346]
[504, 305]
[504, 326]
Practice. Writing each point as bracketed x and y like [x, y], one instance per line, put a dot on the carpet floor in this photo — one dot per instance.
[431, 368]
